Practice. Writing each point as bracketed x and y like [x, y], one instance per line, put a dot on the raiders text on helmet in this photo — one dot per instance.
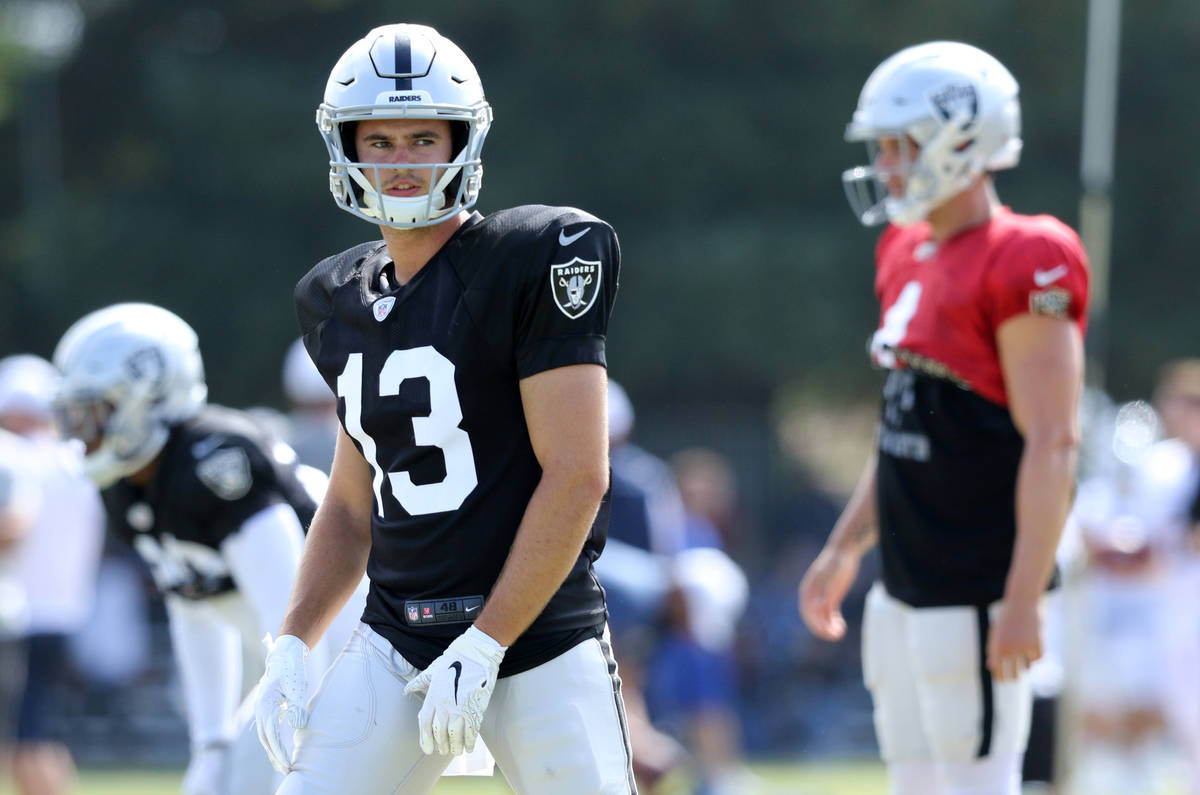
[405, 71]
[129, 373]
[957, 103]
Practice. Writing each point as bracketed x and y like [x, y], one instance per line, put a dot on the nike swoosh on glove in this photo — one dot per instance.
[457, 686]
[282, 692]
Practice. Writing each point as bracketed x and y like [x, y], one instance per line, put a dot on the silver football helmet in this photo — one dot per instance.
[129, 373]
[957, 103]
[404, 71]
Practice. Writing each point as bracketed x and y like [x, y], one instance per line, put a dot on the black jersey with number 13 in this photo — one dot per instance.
[427, 376]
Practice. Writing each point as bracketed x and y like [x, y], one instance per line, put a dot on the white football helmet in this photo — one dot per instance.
[129, 373]
[405, 71]
[958, 104]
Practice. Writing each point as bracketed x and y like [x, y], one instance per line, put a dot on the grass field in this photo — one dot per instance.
[816, 778]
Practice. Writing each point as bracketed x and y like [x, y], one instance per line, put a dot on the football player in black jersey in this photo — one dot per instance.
[215, 507]
[467, 354]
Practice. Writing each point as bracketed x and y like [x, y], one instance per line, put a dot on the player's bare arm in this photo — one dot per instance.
[832, 574]
[565, 412]
[1042, 359]
[336, 550]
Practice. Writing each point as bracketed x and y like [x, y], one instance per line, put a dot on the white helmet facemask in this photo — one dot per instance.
[404, 72]
[957, 103]
[402, 211]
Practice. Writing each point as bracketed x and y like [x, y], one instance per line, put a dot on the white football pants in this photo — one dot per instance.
[555, 729]
[944, 726]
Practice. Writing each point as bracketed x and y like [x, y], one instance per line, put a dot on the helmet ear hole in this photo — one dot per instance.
[460, 133]
[347, 130]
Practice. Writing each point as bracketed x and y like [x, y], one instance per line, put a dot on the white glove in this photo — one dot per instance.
[459, 685]
[283, 688]
[206, 772]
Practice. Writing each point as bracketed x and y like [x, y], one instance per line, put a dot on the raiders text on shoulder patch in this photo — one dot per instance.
[227, 473]
[576, 285]
[1055, 302]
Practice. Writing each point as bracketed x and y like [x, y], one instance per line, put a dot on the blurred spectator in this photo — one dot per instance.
[709, 491]
[312, 422]
[646, 529]
[665, 515]
[56, 563]
[645, 524]
[1136, 677]
[691, 681]
[19, 501]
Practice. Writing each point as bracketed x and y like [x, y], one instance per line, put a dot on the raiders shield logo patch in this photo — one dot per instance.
[575, 285]
[227, 473]
[1055, 302]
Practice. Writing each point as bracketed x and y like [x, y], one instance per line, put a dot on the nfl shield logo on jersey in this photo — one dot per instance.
[383, 307]
[576, 285]
[413, 615]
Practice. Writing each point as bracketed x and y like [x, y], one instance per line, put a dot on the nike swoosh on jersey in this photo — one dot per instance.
[457, 666]
[1042, 278]
[565, 240]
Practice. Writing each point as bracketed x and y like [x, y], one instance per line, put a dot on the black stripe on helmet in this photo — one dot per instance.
[403, 46]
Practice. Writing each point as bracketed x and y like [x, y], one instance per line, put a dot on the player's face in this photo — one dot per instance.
[409, 143]
[1180, 410]
[84, 421]
[894, 157]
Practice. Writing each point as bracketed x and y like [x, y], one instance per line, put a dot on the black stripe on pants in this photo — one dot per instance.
[985, 684]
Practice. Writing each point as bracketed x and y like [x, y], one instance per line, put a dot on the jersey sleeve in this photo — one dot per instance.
[567, 295]
[1040, 274]
[228, 484]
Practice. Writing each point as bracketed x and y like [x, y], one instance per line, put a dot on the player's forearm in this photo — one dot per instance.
[856, 530]
[552, 533]
[1044, 484]
[335, 557]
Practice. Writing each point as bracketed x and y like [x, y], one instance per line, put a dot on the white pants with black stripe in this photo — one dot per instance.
[944, 726]
[557, 728]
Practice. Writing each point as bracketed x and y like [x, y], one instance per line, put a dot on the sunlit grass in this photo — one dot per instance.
[813, 778]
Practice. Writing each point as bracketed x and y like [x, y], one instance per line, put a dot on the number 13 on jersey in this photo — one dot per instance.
[440, 429]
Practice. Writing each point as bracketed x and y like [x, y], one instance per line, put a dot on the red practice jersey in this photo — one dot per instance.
[948, 449]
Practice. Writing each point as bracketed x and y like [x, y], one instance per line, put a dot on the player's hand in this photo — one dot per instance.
[822, 590]
[457, 686]
[282, 692]
[206, 772]
[1015, 638]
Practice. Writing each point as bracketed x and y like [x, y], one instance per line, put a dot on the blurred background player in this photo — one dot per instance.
[312, 422]
[982, 314]
[213, 505]
[56, 563]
